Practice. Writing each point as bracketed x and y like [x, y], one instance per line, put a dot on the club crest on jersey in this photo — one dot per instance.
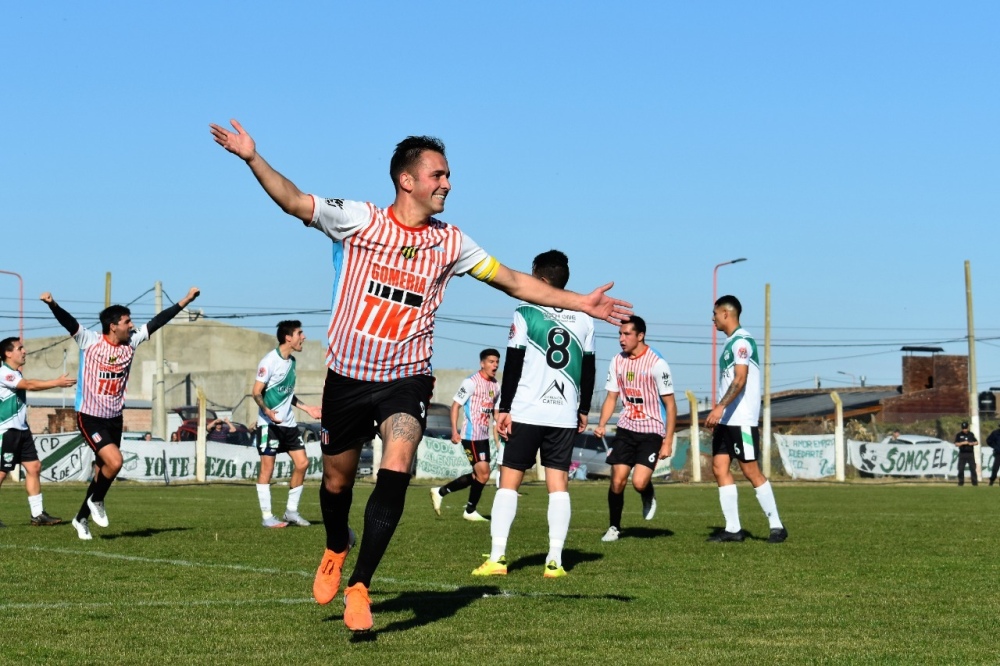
[630, 376]
[261, 372]
[96, 437]
[112, 359]
[9, 378]
[742, 352]
[513, 331]
[408, 251]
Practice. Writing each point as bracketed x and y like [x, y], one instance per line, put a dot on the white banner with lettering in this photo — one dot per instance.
[807, 456]
[890, 459]
[442, 459]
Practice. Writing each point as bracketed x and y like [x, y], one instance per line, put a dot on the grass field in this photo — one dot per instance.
[185, 575]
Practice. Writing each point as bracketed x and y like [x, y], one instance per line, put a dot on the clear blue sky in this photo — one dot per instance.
[849, 150]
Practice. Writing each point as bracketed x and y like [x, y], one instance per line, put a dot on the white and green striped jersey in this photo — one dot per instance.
[555, 342]
[278, 376]
[13, 401]
[741, 349]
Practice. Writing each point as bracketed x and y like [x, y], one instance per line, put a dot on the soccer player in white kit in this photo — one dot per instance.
[277, 432]
[476, 400]
[548, 383]
[391, 268]
[18, 447]
[645, 432]
[735, 419]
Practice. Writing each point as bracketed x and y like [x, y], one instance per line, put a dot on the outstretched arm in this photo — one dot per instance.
[283, 191]
[63, 317]
[162, 317]
[314, 411]
[45, 384]
[527, 288]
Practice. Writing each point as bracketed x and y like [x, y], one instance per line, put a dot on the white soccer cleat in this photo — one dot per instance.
[475, 517]
[82, 529]
[295, 518]
[97, 512]
[436, 499]
[611, 535]
[648, 511]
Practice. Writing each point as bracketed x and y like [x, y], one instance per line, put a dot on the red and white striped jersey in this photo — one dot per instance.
[641, 381]
[477, 395]
[388, 283]
[104, 369]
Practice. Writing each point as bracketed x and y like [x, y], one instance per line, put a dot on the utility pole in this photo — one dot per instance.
[107, 289]
[766, 443]
[159, 397]
[973, 384]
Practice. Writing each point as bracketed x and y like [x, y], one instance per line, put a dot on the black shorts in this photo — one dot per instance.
[477, 451]
[740, 442]
[354, 409]
[635, 448]
[98, 432]
[273, 439]
[18, 447]
[525, 440]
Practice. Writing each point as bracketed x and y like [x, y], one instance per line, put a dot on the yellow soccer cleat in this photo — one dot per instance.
[491, 568]
[552, 570]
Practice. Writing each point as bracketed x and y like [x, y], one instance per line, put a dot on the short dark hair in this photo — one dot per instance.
[286, 328]
[638, 323]
[553, 266]
[732, 302]
[112, 315]
[6, 347]
[486, 353]
[408, 152]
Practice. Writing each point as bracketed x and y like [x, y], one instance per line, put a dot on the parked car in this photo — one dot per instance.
[592, 451]
[188, 430]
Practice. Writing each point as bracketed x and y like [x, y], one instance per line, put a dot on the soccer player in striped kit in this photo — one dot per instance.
[476, 398]
[391, 267]
[645, 432]
[105, 362]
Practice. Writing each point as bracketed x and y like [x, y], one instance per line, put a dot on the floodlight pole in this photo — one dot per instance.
[20, 296]
[715, 332]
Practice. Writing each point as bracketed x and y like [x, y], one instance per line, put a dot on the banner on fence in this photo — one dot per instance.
[807, 456]
[443, 459]
[894, 459]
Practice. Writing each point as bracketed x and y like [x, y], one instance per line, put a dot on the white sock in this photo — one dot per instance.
[294, 495]
[765, 497]
[264, 498]
[559, 514]
[501, 518]
[35, 502]
[730, 507]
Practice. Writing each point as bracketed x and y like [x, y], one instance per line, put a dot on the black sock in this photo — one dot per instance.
[336, 508]
[84, 511]
[101, 486]
[475, 492]
[647, 493]
[616, 502]
[382, 514]
[458, 484]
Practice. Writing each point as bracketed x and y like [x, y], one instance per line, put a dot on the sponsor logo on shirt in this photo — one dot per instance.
[555, 394]
[339, 203]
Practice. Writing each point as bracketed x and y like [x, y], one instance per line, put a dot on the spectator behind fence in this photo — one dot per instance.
[218, 430]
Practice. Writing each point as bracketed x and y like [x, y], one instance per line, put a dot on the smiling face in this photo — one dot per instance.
[121, 331]
[16, 357]
[427, 182]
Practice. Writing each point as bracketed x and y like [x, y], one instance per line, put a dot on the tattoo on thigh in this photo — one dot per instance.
[402, 426]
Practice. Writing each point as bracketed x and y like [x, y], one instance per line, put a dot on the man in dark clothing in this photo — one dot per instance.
[966, 443]
[993, 441]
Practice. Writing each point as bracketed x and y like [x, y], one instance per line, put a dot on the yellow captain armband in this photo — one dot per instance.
[485, 270]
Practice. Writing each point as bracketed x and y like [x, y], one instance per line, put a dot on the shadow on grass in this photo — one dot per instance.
[571, 558]
[146, 533]
[428, 607]
[645, 532]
